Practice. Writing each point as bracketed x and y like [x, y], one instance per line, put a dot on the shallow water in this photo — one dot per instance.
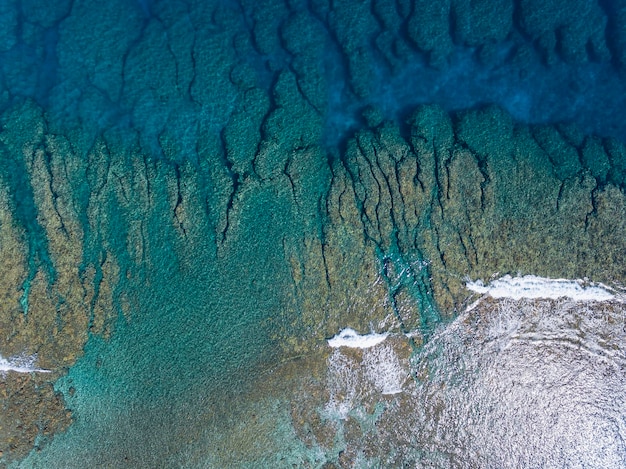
[526, 383]
[519, 383]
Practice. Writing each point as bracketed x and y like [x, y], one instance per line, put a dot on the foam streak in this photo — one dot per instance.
[14, 365]
[533, 287]
[351, 338]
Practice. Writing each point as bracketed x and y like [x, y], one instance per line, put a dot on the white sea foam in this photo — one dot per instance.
[383, 369]
[344, 384]
[353, 382]
[351, 338]
[533, 287]
[20, 365]
[531, 381]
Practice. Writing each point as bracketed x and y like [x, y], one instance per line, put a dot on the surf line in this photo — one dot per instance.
[534, 287]
[23, 367]
[350, 338]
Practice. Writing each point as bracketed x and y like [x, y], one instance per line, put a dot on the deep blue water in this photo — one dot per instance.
[123, 78]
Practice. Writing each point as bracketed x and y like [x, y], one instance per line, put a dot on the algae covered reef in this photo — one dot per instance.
[196, 196]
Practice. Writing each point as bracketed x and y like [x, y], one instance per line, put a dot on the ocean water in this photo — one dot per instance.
[286, 233]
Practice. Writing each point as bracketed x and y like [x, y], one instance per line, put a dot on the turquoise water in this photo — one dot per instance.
[191, 340]
[247, 178]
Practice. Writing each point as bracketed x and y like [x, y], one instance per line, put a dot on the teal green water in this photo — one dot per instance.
[193, 339]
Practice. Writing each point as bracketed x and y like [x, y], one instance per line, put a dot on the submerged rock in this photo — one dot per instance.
[382, 238]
